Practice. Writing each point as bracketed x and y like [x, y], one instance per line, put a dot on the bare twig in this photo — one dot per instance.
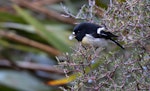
[91, 4]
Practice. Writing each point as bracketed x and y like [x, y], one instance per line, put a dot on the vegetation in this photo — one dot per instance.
[35, 33]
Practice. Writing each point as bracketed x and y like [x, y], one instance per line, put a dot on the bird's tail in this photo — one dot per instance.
[117, 43]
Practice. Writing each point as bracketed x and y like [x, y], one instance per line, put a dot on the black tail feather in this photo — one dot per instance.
[117, 43]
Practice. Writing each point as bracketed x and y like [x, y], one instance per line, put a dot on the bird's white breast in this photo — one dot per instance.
[97, 42]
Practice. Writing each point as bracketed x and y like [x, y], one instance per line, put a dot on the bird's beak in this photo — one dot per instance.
[72, 36]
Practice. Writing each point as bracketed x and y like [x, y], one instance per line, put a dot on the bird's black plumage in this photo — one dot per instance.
[82, 29]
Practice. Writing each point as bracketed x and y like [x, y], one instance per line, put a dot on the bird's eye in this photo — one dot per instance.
[77, 32]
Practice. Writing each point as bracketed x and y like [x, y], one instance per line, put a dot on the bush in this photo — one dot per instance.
[126, 70]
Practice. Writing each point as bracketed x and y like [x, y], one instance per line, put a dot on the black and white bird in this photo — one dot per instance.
[93, 34]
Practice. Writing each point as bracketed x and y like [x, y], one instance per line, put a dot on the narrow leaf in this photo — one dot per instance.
[42, 31]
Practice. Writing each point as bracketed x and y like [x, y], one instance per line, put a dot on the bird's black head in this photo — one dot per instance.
[82, 29]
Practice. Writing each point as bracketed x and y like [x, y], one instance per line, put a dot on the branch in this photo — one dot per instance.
[20, 39]
[45, 2]
[50, 13]
[30, 66]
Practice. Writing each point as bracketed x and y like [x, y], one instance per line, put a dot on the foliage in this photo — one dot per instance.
[33, 32]
[118, 69]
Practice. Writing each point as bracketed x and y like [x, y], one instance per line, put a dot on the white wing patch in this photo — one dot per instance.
[100, 29]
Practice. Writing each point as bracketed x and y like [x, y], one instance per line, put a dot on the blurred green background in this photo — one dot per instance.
[32, 33]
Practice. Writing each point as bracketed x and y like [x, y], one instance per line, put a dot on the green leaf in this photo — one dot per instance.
[42, 31]
[5, 17]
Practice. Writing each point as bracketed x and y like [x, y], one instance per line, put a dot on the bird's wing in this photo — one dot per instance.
[103, 34]
[107, 34]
